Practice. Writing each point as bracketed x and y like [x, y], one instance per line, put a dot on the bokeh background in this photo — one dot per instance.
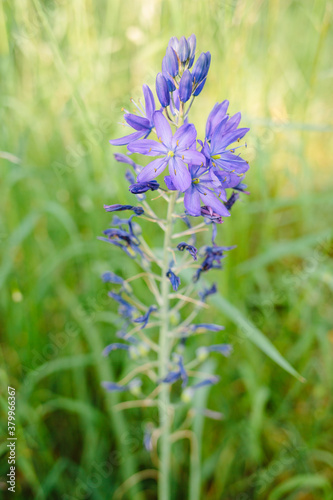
[67, 69]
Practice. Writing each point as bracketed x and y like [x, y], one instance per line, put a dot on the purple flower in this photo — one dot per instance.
[115, 347]
[173, 376]
[132, 386]
[142, 187]
[215, 149]
[142, 124]
[206, 326]
[211, 215]
[110, 277]
[204, 186]
[126, 159]
[190, 248]
[232, 200]
[188, 394]
[145, 318]
[175, 150]
[224, 349]
[120, 208]
[125, 308]
[162, 90]
[175, 280]
[208, 291]
[200, 71]
[185, 86]
[215, 117]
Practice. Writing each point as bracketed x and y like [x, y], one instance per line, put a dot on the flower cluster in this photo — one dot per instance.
[199, 174]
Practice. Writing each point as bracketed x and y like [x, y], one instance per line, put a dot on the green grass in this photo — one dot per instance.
[67, 68]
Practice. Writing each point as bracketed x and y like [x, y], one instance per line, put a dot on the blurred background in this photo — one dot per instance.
[67, 69]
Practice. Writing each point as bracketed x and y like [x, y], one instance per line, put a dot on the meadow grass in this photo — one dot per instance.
[67, 68]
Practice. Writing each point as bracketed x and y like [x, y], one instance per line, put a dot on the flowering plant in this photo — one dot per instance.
[200, 175]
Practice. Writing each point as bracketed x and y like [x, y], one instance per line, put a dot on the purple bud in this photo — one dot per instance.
[175, 281]
[115, 347]
[169, 80]
[192, 42]
[162, 90]
[171, 62]
[233, 198]
[183, 50]
[185, 86]
[110, 277]
[201, 67]
[190, 248]
[169, 184]
[142, 187]
[119, 208]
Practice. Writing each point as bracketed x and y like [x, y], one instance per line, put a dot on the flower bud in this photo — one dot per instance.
[171, 62]
[201, 67]
[162, 90]
[169, 80]
[183, 50]
[192, 42]
[185, 86]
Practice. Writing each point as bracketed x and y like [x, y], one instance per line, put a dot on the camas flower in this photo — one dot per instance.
[204, 186]
[190, 248]
[176, 151]
[142, 124]
[215, 148]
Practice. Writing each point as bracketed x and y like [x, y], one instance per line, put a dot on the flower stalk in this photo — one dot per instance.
[164, 355]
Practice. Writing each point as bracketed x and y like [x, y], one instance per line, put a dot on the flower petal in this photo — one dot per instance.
[147, 147]
[179, 173]
[149, 102]
[122, 141]
[185, 136]
[137, 122]
[163, 128]
[152, 170]
[209, 199]
[192, 201]
[194, 157]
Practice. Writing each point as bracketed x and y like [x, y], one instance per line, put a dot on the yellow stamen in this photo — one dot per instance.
[171, 154]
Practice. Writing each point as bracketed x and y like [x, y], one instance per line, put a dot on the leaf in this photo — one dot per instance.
[303, 481]
[252, 333]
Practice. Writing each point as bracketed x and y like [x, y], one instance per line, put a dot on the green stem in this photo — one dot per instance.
[164, 355]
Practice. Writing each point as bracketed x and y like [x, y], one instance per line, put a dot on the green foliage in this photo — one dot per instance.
[67, 68]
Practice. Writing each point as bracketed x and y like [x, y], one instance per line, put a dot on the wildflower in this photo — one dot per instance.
[200, 71]
[208, 291]
[204, 186]
[206, 326]
[175, 280]
[162, 90]
[142, 124]
[209, 213]
[173, 376]
[175, 150]
[188, 394]
[190, 248]
[145, 318]
[120, 208]
[203, 352]
[142, 187]
[133, 386]
[114, 347]
[126, 159]
[232, 200]
[110, 277]
[221, 158]
[185, 86]
[126, 309]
